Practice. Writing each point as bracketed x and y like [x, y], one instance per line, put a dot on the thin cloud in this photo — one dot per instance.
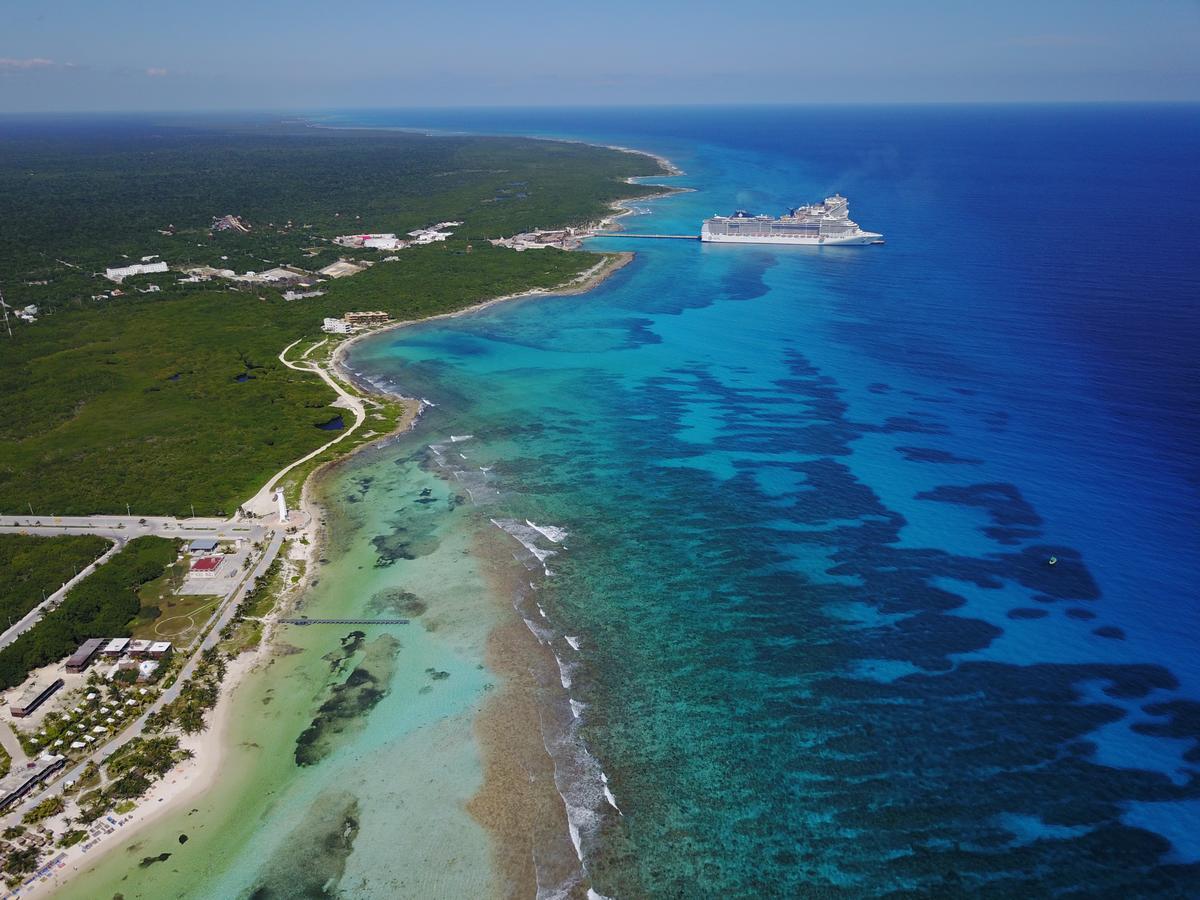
[7, 63]
[156, 72]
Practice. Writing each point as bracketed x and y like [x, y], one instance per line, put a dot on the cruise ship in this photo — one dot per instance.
[822, 223]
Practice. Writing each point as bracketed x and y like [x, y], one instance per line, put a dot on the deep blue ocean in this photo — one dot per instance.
[817, 645]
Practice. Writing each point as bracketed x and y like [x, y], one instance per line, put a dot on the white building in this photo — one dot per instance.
[383, 242]
[335, 326]
[120, 273]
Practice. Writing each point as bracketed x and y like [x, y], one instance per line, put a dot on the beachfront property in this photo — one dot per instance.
[82, 658]
[120, 273]
[562, 239]
[20, 781]
[33, 697]
[141, 649]
[206, 567]
[341, 269]
[366, 319]
[352, 321]
[115, 647]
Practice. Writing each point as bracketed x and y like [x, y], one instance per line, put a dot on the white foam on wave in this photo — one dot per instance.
[593, 894]
[456, 438]
[576, 707]
[550, 532]
[527, 537]
[608, 794]
[564, 672]
[542, 612]
[573, 641]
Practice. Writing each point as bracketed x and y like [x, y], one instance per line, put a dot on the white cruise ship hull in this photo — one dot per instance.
[862, 237]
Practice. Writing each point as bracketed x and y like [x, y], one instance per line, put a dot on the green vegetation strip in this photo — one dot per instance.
[101, 605]
[32, 568]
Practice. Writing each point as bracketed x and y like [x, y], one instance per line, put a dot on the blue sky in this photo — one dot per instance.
[64, 55]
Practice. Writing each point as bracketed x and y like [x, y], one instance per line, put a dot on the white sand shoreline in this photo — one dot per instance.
[181, 785]
[193, 777]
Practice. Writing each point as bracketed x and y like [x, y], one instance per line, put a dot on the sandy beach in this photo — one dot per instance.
[181, 786]
[518, 803]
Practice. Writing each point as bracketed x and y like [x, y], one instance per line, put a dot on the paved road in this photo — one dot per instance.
[263, 503]
[8, 740]
[222, 616]
[129, 527]
[34, 616]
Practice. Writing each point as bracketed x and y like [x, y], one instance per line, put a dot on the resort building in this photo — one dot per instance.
[335, 326]
[120, 273]
[20, 781]
[361, 319]
[82, 658]
[115, 647]
[34, 697]
[149, 649]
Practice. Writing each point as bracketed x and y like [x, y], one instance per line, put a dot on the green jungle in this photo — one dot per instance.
[175, 399]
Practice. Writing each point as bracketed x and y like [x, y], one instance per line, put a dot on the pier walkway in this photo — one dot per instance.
[344, 621]
[657, 237]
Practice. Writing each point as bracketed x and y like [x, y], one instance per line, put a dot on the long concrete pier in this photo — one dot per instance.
[656, 237]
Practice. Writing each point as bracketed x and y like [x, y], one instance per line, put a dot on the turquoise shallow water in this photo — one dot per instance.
[796, 508]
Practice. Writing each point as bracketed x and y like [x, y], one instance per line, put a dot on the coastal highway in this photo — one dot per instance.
[129, 527]
[135, 729]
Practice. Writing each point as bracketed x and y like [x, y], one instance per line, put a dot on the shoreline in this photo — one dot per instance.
[491, 806]
[610, 263]
[181, 785]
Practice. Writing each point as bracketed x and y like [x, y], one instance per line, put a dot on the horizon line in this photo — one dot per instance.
[786, 104]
